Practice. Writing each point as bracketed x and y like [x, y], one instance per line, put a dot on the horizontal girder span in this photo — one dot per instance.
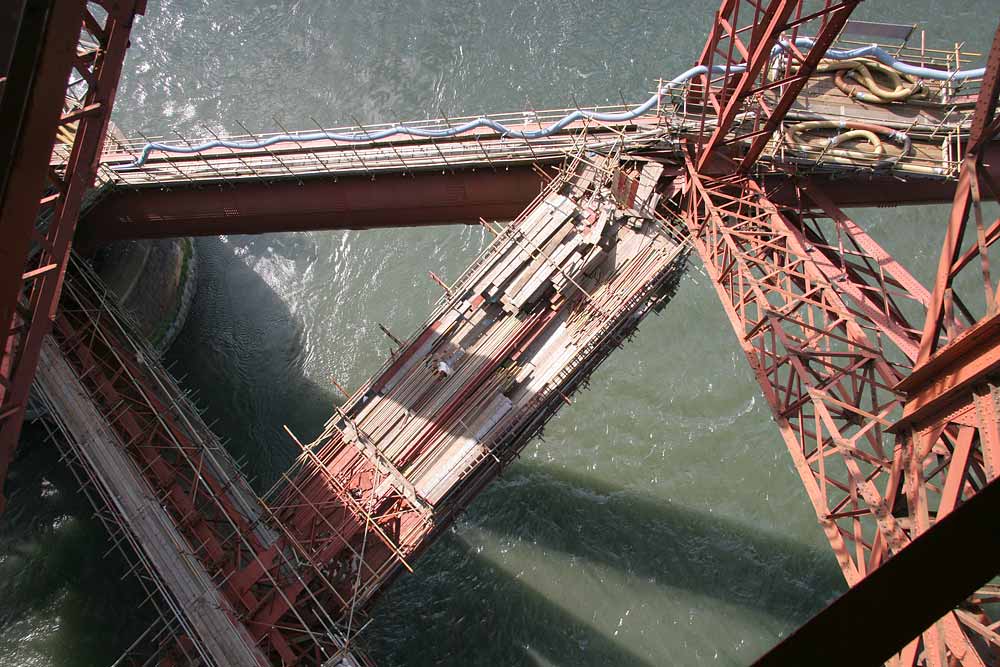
[222, 189]
[397, 199]
[349, 202]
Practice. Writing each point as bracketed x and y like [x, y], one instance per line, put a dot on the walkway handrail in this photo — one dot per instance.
[873, 51]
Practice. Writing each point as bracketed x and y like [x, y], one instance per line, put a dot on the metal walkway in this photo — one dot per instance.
[411, 181]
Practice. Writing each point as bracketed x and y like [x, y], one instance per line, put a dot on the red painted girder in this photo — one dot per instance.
[863, 271]
[42, 274]
[873, 288]
[861, 621]
[424, 198]
[865, 190]
[33, 99]
[753, 256]
[480, 137]
[950, 375]
[749, 41]
[342, 459]
[834, 17]
[764, 35]
[350, 202]
[983, 117]
[957, 393]
[934, 329]
[955, 388]
[155, 436]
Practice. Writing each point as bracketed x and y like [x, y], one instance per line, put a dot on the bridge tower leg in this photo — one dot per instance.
[947, 441]
[61, 46]
[814, 332]
[813, 301]
[739, 58]
[955, 385]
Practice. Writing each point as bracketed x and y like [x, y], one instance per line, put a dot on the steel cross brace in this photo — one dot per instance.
[869, 278]
[811, 316]
[967, 196]
[860, 615]
[169, 457]
[953, 388]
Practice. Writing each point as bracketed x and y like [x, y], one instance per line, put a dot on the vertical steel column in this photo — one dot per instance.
[811, 315]
[38, 221]
[32, 101]
[985, 125]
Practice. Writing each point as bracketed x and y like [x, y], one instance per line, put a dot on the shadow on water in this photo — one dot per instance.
[459, 600]
[243, 348]
[677, 546]
[246, 350]
[462, 609]
[64, 602]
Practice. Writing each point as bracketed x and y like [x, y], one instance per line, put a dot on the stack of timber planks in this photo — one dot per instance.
[549, 290]
[555, 292]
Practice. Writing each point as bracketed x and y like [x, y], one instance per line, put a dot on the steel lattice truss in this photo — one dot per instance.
[944, 324]
[177, 464]
[816, 342]
[823, 315]
[744, 34]
[82, 55]
[822, 367]
[350, 529]
[953, 395]
[261, 561]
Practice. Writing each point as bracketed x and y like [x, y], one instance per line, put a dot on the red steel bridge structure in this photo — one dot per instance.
[886, 393]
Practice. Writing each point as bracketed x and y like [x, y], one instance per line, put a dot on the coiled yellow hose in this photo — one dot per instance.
[831, 149]
[867, 88]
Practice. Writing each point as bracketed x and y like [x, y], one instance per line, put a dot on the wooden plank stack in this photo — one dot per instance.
[520, 329]
[552, 284]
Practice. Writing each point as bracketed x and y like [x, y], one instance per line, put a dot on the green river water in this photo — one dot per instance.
[659, 522]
